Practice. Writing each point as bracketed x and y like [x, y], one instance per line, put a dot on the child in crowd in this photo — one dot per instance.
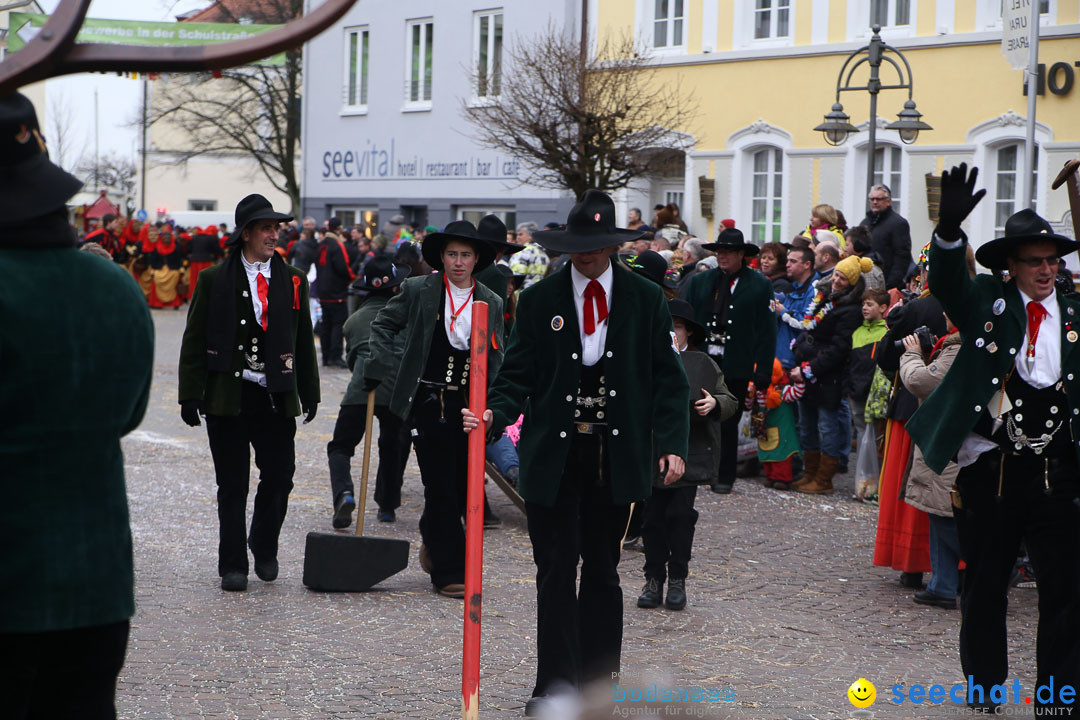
[668, 529]
[773, 411]
[864, 350]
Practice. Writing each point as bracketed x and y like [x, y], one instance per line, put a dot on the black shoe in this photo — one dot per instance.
[911, 580]
[343, 511]
[925, 597]
[676, 594]
[234, 582]
[650, 594]
[512, 476]
[722, 488]
[386, 515]
[267, 570]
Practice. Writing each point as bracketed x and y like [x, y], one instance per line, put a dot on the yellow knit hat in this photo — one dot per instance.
[853, 266]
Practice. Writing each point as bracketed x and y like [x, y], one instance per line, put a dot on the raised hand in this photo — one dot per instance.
[958, 199]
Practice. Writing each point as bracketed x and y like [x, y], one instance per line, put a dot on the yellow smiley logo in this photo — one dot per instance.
[862, 693]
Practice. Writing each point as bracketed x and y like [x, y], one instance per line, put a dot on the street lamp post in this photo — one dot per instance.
[837, 125]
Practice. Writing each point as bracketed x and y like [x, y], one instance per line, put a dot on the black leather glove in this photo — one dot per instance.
[190, 411]
[370, 384]
[958, 199]
[309, 412]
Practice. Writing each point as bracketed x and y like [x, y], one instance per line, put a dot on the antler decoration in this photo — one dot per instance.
[54, 52]
[1068, 175]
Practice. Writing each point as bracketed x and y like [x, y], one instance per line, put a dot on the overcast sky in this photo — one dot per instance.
[118, 98]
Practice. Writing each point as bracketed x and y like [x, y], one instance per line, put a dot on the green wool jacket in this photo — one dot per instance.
[415, 310]
[493, 280]
[992, 342]
[220, 392]
[648, 393]
[751, 323]
[357, 350]
[77, 357]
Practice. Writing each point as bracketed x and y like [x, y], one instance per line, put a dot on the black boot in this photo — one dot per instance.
[676, 594]
[650, 594]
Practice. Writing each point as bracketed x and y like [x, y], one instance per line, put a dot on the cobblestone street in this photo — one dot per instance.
[785, 606]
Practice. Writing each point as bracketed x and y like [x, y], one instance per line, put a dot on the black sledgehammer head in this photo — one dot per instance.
[337, 562]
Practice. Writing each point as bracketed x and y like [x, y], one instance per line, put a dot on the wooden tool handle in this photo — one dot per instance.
[368, 420]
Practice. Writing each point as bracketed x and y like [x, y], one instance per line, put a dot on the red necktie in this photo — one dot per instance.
[595, 306]
[262, 286]
[1035, 312]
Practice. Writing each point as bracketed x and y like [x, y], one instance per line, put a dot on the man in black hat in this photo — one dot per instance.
[1009, 413]
[381, 281]
[734, 304]
[75, 379]
[247, 362]
[435, 314]
[492, 229]
[593, 364]
[333, 273]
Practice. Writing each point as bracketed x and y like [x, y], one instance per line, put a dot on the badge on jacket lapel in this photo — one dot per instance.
[999, 306]
[1071, 336]
[557, 323]
[988, 326]
[991, 348]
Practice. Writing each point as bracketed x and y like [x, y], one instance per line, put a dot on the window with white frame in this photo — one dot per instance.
[419, 41]
[890, 13]
[766, 206]
[357, 41]
[888, 161]
[475, 214]
[988, 13]
[1008, 183]
[487, 52]
[669, 23]
[674, 196]
[772, 19]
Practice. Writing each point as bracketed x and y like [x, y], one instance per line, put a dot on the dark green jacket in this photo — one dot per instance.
[493, 280]
[357, 336]
[941, 423]
[415, 310]
[751, 323]
[220, 392]
[703, 446]
[647, 388]
[76, 358]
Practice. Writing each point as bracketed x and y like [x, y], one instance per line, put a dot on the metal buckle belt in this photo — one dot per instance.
[440, 386]
[589, 428]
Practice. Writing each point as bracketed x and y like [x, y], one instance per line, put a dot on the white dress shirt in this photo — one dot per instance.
[592, 346]
[253, 270]
[460, 335]
[1044, 369]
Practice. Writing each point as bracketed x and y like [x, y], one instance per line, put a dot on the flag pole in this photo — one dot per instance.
[1027, 200]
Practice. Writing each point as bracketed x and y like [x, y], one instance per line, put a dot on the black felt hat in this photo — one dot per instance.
[732, 239]
[651, 265]
[492, 229]
[589, 226]
[380, 273]
[682, 310]
[1023, 226]
[252, 208]
[30, 185]
[510, 275]
[462, 231]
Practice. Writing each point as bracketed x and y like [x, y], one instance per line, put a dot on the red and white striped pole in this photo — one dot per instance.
[474, 515]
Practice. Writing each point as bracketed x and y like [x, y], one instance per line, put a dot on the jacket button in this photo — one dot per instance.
[612, 393]
[573, 356]
[615, 431]
[562, 434]
[569, 398]
[995, 381]
[978, 408]
[236, 374]
[1012, 351]
[239, 347]
[1069, 376]
[609, 354]
[243, 321]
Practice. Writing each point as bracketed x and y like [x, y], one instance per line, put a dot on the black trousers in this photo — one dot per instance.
[231, 437]
[63, 674]
[578, 626]
[668, 532]
[991, 530]
[442, 452]
[729, 434]
[394, 444]
[334, 315]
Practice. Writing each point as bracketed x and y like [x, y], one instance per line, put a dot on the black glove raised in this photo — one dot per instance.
[370, 384]
[190, 411]
[958, 199]
[309, 412]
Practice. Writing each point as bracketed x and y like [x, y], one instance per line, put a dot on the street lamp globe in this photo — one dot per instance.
[909, 124]
[837, 125]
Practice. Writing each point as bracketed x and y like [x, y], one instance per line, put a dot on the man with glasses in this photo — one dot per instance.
[1008, 412]
[890, 236]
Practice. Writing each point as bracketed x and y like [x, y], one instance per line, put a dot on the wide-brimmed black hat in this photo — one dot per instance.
[463, 231]
[492, 229]
[732, 239]
[589, 226]
[381, 273]
[1021, 227]
[30, 185]
[682, 310]
[510, 274]
[253, 207]
[651, 265]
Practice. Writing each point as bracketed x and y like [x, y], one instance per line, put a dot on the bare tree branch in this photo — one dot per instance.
[62, 133]
[115, 173]
[622, 127]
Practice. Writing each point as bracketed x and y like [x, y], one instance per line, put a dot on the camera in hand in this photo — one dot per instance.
[926, 339]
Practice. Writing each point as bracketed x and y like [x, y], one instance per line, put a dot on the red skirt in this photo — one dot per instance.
[194, 268]
[903, 533]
